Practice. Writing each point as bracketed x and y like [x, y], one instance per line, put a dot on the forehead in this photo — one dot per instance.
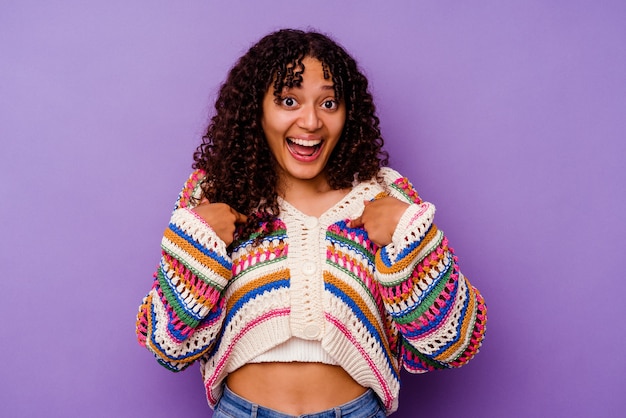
[295, 73]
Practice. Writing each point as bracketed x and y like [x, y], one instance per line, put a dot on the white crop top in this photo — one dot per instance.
[296, 350]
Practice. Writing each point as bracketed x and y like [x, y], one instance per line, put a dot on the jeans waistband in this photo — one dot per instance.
[233, 405]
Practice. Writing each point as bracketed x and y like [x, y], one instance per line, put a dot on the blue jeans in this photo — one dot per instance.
[232, 405]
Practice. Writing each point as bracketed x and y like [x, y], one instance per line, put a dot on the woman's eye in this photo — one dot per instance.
[330, 104]
[288, 102]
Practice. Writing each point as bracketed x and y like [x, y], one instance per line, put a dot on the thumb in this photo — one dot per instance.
[356, 222]
[239, 217]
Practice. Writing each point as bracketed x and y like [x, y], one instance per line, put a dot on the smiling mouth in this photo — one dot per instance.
[303, 148]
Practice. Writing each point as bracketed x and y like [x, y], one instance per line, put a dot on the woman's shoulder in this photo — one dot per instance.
[398, 185]
[389, 175]
[191, 192]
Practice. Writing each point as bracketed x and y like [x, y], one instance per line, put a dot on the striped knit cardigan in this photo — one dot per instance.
[374, 309]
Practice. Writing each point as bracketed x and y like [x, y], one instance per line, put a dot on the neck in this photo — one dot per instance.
[297, 188]
[311, 197]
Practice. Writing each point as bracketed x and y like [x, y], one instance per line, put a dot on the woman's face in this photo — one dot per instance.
[304, 125]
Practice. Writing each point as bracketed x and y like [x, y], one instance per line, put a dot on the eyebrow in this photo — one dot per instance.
[324, 87]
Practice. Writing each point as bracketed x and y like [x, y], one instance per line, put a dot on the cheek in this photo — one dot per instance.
[269, 129]
[338, 126]
[276, 123]
[340, 120]
[273, 135]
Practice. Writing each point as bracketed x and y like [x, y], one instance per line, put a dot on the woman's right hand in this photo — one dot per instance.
[221, 217]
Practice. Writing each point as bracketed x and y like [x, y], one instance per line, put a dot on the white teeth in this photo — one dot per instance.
[305, 143]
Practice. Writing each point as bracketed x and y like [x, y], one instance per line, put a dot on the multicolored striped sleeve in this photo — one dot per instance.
[180, 318]
[439, 314]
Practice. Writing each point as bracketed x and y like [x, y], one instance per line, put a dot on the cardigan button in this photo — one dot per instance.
[311, 331]
[309, 268]
[311, 222]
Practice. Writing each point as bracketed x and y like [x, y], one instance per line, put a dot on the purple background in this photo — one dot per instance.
[509, 115]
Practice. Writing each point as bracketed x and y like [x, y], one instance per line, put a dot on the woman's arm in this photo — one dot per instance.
[180, 318]
[439, 314]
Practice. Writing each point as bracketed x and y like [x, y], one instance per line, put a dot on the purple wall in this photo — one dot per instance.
[509, 115]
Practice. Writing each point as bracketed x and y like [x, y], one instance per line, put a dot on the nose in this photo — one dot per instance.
[309, 119]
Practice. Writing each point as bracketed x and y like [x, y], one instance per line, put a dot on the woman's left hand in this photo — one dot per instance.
[380, 218]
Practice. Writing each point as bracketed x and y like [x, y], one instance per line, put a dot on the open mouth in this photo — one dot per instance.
[306, 149]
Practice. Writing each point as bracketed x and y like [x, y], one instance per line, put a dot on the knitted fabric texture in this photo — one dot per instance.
[374, 309]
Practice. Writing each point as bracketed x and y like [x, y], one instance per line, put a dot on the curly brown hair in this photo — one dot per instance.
[240, 169]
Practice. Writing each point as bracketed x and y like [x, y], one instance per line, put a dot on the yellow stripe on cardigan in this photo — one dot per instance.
[408, 259]
[255, 284]
[162, 354]
[356, 298]
[467, 329]
[196, 254]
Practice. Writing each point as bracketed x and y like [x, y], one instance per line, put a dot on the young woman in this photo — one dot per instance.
[297, 269]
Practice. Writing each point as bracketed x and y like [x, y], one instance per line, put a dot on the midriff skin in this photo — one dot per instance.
[294, 388]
